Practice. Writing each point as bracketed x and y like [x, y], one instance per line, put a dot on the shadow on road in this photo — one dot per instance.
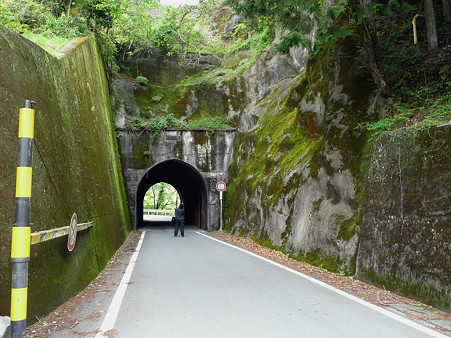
[147, 225]
[156, 224]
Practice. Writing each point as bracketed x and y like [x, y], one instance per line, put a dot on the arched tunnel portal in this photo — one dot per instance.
[189, 183]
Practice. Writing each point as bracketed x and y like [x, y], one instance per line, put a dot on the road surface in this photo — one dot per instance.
[198, 287]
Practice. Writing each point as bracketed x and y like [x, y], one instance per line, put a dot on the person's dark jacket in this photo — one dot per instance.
[180, 214]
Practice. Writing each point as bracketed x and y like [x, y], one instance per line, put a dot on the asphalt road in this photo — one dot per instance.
[197, 287]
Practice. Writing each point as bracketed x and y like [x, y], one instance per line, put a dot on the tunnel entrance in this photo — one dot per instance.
[159, 204]
[189, 183]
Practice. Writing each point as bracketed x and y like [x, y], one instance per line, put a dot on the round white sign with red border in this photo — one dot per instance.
[221, 186]
[72, 233]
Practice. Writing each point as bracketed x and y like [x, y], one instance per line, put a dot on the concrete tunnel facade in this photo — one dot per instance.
[189, 183]
[192, 161]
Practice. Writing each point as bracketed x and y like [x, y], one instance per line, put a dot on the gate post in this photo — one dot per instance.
[20, 246]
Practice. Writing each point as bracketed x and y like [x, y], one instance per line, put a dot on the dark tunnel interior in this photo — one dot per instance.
[186, 180]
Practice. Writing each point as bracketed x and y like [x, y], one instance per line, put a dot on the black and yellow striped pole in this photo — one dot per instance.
[20, 247]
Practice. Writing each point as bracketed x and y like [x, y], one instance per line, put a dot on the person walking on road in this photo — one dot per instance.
[180, 220]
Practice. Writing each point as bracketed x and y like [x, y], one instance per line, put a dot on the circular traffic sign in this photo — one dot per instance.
[72, 233]
[221, 186]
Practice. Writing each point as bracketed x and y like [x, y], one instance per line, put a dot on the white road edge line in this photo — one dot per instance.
[387, 313]
[113, 310]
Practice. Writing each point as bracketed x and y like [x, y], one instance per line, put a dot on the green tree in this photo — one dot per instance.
[101, 14]
[176, 31]
[161, 196]
[59, 7]
[29, 13]
[369, 22]
[312, 24]
[134, 27]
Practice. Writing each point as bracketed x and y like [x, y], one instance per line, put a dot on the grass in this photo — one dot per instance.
[430, 112]
[51, 45]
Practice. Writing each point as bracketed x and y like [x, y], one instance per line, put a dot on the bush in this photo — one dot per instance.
[9, 20]
[136, 122]
[142, 80]
[158, 124]
[214, 123]
[29, 13]
[156, 99]
[67, 27]
[109, 52]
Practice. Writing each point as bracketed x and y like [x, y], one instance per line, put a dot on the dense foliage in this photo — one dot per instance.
[122, 26]
[309, 23]
[417, 76]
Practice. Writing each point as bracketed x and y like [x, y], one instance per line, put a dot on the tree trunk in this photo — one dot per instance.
[69, 8]
[447, 9]
[431, 28]
[370, 27]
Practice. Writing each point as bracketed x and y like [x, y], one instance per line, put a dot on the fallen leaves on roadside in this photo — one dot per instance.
[62, 317]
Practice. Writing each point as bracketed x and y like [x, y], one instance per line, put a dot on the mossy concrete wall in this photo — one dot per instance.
[406, 227]
[80, 171]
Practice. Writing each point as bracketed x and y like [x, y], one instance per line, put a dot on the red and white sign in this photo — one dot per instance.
[72, 233]
[221, 186]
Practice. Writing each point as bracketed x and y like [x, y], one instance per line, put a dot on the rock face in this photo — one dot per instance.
[297, 167]
[296, 154]
[405, 232]
[125, 103]
[165, 70]
[76, 169]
